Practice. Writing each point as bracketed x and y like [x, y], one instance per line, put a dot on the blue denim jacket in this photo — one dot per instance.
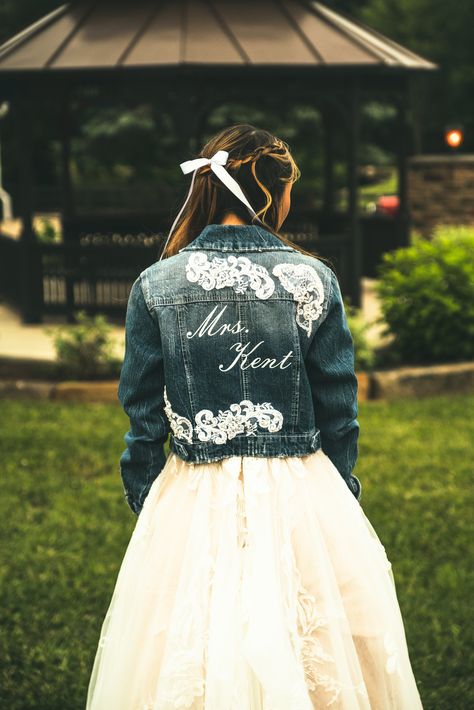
[236, 345]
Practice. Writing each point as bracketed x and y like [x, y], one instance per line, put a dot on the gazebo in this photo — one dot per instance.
[198, 55]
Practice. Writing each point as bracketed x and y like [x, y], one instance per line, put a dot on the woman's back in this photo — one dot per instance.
[247, 368]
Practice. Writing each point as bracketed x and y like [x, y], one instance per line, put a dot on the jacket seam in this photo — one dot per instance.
[208, 299]
[234, 249]
[329, 302]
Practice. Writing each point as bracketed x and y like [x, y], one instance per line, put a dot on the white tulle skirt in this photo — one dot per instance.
[253, 584]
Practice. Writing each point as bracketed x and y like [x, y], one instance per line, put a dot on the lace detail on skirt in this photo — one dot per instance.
[253, 583]
[182, 678]
[307, 625]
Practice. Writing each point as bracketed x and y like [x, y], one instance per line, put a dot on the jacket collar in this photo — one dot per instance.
[235, 237]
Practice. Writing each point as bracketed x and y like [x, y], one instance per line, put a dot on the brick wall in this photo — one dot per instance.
[440, 190]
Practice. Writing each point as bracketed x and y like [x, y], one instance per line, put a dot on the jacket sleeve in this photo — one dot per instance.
[141, 394]
[330, 367]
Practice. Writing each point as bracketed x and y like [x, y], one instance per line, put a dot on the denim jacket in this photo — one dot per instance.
[236, 345]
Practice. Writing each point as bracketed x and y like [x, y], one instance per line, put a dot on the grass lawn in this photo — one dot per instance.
[65, 527]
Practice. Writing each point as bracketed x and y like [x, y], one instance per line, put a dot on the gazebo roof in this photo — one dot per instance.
[164, 34]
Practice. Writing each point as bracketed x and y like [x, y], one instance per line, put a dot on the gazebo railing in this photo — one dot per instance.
[96, 272]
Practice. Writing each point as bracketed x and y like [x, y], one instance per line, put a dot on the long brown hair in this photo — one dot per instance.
[261, 163]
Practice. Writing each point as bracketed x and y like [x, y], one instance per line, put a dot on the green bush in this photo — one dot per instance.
[427, 297]
[85, 350]
[363, 351]
[47, 233]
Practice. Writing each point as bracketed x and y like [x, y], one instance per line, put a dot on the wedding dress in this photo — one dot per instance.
[253, 583]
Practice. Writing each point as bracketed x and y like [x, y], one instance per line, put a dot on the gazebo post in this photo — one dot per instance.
[30, 276]
[328, 196]
[67, 191]
[355, 250]
[67, 203]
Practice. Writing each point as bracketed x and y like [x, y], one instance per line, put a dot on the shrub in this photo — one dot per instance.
[46, 232]
[427, 297]
[85, 350]
[363, 351]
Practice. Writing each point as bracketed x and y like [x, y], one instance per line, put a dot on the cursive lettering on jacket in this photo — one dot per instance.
[257, 361]
[210, 326]
[207, 325]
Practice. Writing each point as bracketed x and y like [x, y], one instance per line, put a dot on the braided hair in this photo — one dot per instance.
[261, 163]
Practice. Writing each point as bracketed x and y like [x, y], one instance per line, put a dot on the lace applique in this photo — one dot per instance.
[181, 427]
[238, 419]
[241, 418]
[307, 288]
[306, 623]
[239, 272]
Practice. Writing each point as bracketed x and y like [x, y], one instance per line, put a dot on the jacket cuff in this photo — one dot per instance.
[133, 505]
[356, 486]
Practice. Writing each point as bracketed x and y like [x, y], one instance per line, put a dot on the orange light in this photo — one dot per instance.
[453, 137]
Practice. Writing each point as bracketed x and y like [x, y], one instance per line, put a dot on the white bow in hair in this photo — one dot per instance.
[217, 163]
[219, 158]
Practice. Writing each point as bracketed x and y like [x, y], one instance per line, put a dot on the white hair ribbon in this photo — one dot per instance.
[217, 163]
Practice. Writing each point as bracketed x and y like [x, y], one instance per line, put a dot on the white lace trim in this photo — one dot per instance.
[180, 426]
[308, 291]
[241, 418]
[239, 272]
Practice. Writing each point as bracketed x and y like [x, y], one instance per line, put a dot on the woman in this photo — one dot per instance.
[253, 578]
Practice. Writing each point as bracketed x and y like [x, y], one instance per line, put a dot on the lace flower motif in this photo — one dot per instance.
[308, 291]
[239, 272]
[241, 418]
[180, 426]
[308, 626]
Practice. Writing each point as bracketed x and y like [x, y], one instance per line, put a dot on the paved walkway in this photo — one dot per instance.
[31, 341]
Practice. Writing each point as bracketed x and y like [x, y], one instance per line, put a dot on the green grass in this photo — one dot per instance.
[65, 527]
[384, 187]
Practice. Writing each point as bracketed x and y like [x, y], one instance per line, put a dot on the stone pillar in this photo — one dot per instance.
[441, 191]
